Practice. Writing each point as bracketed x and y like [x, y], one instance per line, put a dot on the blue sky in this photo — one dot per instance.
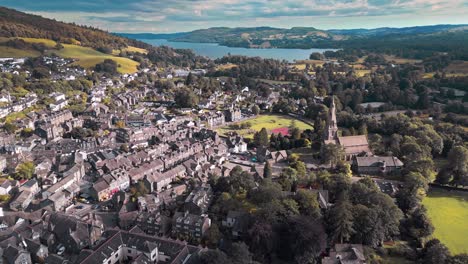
[161, 16]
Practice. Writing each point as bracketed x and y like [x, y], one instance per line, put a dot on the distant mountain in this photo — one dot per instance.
[296, 37]
[246, 37]
[402, 31]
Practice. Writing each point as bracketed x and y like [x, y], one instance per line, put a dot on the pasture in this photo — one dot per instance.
[86, 57]
[448, 211]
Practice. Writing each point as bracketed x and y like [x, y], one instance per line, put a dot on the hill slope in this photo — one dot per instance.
[17, 24]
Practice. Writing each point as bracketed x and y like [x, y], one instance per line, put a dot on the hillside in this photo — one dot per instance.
[17, 24]
[26, 35]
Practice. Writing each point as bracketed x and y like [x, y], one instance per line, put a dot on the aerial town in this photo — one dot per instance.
[132, 153]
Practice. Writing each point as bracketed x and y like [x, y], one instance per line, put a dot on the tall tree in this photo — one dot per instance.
[458, 157]
[341, 220]
[261, 138]
[267, 170]
[332, 154]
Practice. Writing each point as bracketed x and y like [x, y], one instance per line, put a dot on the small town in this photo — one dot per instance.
[115, 150]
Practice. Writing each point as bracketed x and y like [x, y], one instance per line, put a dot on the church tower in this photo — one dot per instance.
[331, 132]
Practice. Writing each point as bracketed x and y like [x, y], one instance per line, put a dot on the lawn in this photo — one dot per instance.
[270, 122]
[449, 213]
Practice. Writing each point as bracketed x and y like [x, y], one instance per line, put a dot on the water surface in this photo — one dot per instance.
[215, 51]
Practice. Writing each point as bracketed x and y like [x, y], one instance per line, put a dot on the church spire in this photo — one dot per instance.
[331, 132]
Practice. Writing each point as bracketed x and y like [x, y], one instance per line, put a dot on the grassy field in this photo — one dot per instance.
[449, 213]
[269, 122]
[9, 52]
[398, 60]
[87, 57]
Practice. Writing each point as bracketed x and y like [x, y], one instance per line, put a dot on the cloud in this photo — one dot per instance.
[183, 15]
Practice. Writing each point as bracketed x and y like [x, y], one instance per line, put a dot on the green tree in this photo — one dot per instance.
[239, 253]
[341, 220]
[267, 170]
[255, 110]
[10, 128]
[212, 236]
[213, 256]
[458, 164]
[185, 97]
[435, 252]
[25, 170]
[261, 138]
[308, 203]
[332, 154]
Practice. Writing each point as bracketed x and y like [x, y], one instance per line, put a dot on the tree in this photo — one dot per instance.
[317, 56]
[294, 131]
[25, 170]
[308, 203]
[458, 164]
[332, 154]
[190, 79]
[435, 252]
[459, 259]
[212, 236]
[341, 220]
[41, 73]
[239, 253]
[267, 170]
[213, 257]
[9, 127]
[108, 66]
[185, 97]
[120, 124]
[301, 240]
[124, 147]
[265, 193]
[261, 138]
[262, 239]
[255, 110]
[418, 226]
[300, 168]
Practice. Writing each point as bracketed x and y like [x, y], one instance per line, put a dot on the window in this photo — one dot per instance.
[129, 251]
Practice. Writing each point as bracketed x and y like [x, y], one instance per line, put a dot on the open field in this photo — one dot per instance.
[226, 66]
[9, 52]
[457, 68]
[449, 212]
[398, 60]
[270, 122]
[87, 57]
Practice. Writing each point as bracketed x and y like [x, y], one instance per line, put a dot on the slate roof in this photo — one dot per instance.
[390, 161]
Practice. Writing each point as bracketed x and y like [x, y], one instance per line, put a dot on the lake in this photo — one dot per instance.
[214, 51]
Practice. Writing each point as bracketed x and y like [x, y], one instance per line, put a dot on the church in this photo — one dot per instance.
[353, 145]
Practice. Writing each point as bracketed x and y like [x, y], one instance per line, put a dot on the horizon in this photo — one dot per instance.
[162, 17]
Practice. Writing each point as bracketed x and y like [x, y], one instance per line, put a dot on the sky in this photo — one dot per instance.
[167, 16]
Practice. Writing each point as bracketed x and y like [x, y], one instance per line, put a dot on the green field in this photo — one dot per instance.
[87, 57]
[449, 214]
[269, 122]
